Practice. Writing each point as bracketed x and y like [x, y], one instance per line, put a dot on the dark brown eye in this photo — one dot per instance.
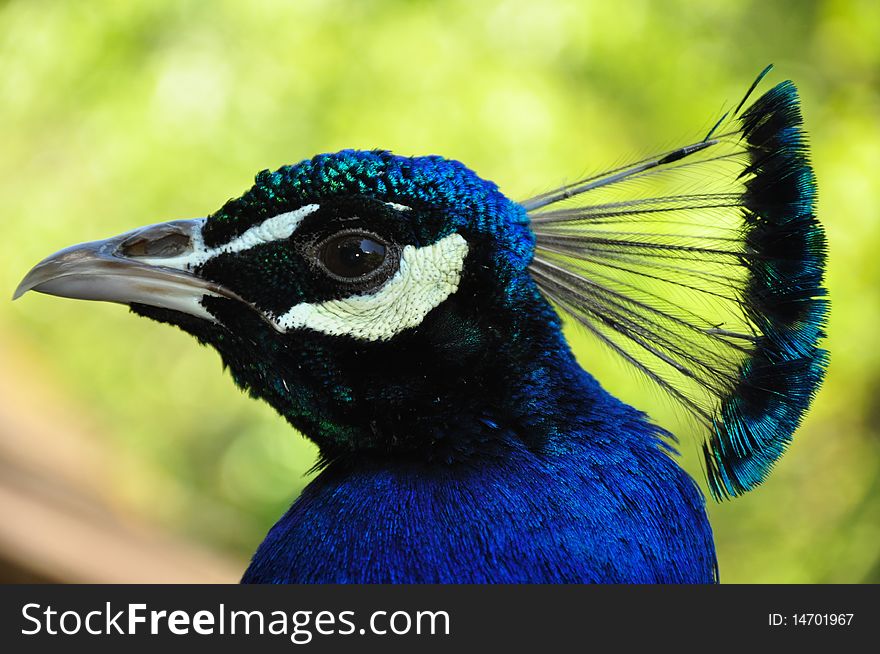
[352, 255]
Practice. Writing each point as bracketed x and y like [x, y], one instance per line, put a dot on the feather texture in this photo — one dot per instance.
[703, 268]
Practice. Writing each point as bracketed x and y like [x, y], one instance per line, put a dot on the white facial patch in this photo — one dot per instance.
[425, 278]
[276, 228]
[398, 207]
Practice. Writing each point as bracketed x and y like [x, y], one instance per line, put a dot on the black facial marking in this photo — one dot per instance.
[351, 245]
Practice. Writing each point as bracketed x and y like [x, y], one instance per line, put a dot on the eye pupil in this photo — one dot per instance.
[352, 255]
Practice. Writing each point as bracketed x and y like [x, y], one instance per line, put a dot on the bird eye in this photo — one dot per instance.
[352, 255]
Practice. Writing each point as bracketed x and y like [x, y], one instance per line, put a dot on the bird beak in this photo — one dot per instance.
[145, 266]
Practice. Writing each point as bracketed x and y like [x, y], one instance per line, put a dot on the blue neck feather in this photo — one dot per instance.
[601, 489]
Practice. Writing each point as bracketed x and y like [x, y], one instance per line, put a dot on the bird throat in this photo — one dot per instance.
[458, 387]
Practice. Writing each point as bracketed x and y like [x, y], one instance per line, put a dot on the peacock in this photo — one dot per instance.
[406, 316]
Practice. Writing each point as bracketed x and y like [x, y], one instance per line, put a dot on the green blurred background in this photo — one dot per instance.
[119, 114]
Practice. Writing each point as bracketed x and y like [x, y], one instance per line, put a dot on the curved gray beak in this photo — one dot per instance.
[149, 266]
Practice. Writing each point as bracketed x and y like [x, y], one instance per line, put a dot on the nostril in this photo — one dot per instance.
[168, 242]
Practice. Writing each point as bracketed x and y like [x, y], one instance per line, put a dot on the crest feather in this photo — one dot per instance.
[703, 268]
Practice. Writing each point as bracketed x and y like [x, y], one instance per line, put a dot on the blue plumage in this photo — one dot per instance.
[602, 501]
[401, 312]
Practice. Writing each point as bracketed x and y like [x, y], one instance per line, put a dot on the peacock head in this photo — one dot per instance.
[368, 297]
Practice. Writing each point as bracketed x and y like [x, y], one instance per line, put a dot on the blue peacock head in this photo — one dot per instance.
[374, 300]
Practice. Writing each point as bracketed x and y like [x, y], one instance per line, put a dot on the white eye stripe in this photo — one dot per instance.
[276, 228]
[399, 207]
[425, 278]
